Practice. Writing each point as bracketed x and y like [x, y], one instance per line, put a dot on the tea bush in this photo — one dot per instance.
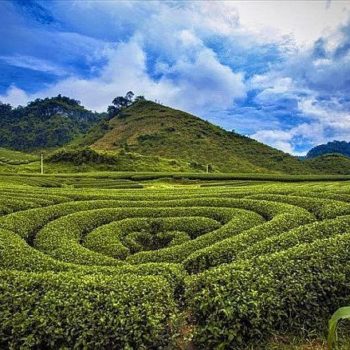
[98, 264]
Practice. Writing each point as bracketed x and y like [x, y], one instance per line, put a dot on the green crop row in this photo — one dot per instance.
[321, 208]
[16, 254]
[66, 311]
[123, 268]
[232, 248]
[293, 291]
[115, 239]
[61, 238]
[176, 254]
[27, 222]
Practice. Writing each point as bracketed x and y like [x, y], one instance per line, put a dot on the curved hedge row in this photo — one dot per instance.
[321, 208]
[84, 311]
[226, 266]
[119, 239]
[61, 237]
[291, 291]
[231, 249]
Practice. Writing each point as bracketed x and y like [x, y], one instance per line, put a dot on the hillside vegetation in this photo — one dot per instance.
[137, 135]
[44, 123]
[340, 147]
[330, 164]
[151, 129]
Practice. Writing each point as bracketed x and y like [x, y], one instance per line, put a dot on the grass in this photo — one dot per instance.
[151, 129]
[330, 164]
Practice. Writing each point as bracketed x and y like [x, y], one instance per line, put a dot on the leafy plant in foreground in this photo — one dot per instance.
[341, 314]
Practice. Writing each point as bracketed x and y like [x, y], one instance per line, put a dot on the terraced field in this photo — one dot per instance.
[191, 267]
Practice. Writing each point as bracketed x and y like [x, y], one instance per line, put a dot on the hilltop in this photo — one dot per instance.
[44, 123]
[151, 129]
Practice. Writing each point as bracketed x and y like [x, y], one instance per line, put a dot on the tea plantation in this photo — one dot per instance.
[109, 263]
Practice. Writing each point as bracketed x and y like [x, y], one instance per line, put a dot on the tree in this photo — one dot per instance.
[119, 103]
[129, 96]
[112, 111]
[5, 109]
[139, 98]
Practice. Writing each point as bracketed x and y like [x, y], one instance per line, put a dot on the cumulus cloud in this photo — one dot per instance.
[15, 97]
[248, 66]
[194, 85]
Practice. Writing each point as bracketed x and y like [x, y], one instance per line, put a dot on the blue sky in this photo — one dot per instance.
[276, 71]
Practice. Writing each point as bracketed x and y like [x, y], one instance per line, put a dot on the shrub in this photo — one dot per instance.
[295, 290]
[89, 311]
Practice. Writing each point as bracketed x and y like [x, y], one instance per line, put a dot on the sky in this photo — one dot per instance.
[278, 72]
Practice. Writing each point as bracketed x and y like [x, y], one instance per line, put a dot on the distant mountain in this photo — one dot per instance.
[44, 123]
[340, 147]
[150, 129]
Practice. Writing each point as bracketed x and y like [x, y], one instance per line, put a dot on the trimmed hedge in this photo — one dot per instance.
[109, 268]
[16, 254]
[303, 234]
[321, 208]
[230, 249]
[56, 311]
[292, 291]
[61, 238]
[176, 254]
[115, 239]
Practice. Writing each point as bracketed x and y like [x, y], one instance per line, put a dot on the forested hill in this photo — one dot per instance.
[340, 147]
[44, 123]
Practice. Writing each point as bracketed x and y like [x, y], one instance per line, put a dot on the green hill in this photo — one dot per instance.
[150, 129]
[145, 136]
[340, 147]
[330, 164]
[44, 123]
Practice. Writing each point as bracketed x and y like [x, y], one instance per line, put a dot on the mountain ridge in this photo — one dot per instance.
[340, 147]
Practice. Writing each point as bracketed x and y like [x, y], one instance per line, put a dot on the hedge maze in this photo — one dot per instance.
[146, 268]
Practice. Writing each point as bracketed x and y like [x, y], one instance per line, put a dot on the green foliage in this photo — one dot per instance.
[16, 158]
[330, 164]
[119, 103]
[235, 248]
[293, 290]
[82, 156]
[44, 123]
[171, 264]
[340, 147]
[84, 311]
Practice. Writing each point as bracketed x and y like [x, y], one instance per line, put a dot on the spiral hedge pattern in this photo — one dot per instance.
[135, 268]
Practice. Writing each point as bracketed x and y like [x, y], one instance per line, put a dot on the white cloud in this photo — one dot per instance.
[276, 138]
[305, 21]
[323, 123]
[34, 63]
[193, 85]
[15, 97]
[191, 76]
